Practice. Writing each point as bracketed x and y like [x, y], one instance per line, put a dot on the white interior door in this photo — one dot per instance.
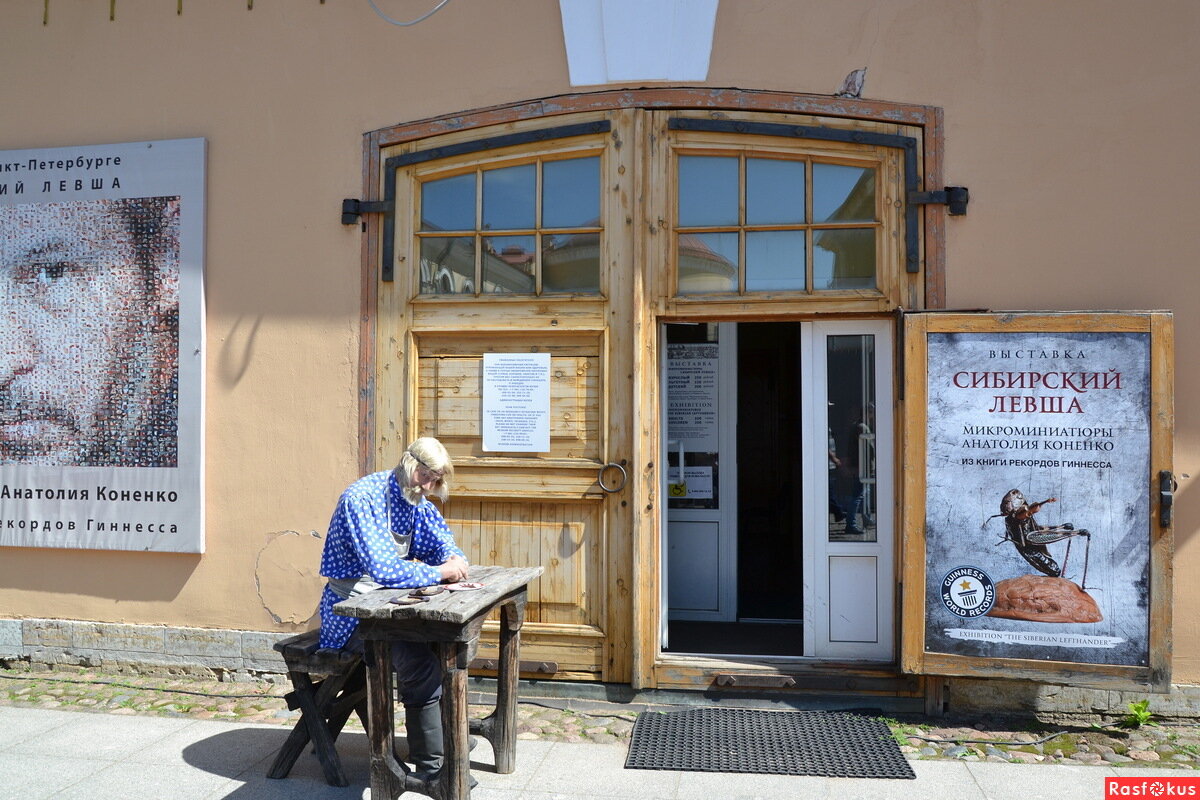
[849, 572]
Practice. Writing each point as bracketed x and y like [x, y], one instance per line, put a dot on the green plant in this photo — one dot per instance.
[1139, 715]
[901, 731]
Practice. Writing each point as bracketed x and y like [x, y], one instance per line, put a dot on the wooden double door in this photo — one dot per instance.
[580, 238]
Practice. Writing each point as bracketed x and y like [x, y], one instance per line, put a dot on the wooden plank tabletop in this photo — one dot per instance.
[455, 608]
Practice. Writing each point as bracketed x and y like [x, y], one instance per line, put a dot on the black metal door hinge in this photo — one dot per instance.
[1166, 497]
[353, 209]
[956, 197]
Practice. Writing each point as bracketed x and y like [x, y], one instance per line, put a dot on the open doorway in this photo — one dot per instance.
[774, 544]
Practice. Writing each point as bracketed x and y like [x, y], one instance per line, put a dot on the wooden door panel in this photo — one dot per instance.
[449, 404]
[562, 537]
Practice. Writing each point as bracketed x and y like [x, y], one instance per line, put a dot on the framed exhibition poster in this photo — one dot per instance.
[102, 333]
[1037, 534]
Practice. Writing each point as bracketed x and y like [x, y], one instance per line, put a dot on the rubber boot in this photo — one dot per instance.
[426, 746]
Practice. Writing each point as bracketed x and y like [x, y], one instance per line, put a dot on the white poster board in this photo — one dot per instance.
[516, 402]
[1037, 513]
[102, 331]
[692, 396]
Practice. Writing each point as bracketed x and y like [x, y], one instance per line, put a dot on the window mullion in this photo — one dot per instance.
[809, 272]
[742, 223]
[478, 232]
[537, 229]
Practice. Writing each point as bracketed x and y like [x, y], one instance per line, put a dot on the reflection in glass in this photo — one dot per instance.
[850, 378]
[708, 191]
[508, 264]
[448, 265]
[844, 259]
[448, 204]
[775, 260]
[774, 191]
[708, 262]
[571, 193]
[843, 194]
[571, 263]
[509, 195]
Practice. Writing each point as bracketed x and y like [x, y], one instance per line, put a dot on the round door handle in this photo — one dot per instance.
[604, 470]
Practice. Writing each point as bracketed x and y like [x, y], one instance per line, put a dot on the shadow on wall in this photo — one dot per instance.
[237, 350]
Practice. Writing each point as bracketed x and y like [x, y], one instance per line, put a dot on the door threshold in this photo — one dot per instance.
[723, 674]
[798, 663]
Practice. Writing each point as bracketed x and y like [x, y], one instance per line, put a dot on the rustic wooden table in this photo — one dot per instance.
[451, 622]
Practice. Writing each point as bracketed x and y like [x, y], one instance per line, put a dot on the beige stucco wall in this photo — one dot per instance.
[1071, 122]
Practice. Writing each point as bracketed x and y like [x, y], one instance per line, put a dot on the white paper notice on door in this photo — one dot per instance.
[697, 482]
[516, 402]
[692, 395]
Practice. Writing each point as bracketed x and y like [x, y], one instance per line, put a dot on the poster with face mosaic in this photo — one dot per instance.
[1037, 504]
[101, 341]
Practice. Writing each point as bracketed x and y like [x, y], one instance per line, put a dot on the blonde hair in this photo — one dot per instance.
[430, 453]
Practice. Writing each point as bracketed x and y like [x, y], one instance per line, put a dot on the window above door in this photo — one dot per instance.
[765, 210]
[752, 223]
[530, 227]
[770, 210]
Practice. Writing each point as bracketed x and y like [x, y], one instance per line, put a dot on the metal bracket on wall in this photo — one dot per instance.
[956, 197]
[352, 210]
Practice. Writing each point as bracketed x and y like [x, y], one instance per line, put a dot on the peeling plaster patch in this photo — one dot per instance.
[286, 575]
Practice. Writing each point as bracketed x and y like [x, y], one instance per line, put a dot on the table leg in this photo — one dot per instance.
[385, 784]
[455, 777]
[504, 731]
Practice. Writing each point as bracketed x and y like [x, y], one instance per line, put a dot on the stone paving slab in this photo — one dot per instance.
[545, 770]
[185, 697]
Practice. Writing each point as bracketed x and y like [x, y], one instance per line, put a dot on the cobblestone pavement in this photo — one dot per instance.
[262, 701]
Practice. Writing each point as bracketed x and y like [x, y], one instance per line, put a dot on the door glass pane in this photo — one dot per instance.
[708, 191]
[774, 191]
[844, 259]
[692, 413]
[708, 262]
[843, 194]
[508, 197]
[571, 263]
[508, 264]
[850, 378]
[571, 193]
[775, 260]
[448, 265]
[448, 204]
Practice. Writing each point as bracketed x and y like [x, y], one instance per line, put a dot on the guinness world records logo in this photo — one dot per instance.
[968, 592]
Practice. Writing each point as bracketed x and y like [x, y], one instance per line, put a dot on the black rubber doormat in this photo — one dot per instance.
[833, 744]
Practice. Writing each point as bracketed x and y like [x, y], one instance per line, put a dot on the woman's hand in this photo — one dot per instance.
[454, 569]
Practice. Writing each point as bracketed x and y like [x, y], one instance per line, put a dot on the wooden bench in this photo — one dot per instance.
[324, 705]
